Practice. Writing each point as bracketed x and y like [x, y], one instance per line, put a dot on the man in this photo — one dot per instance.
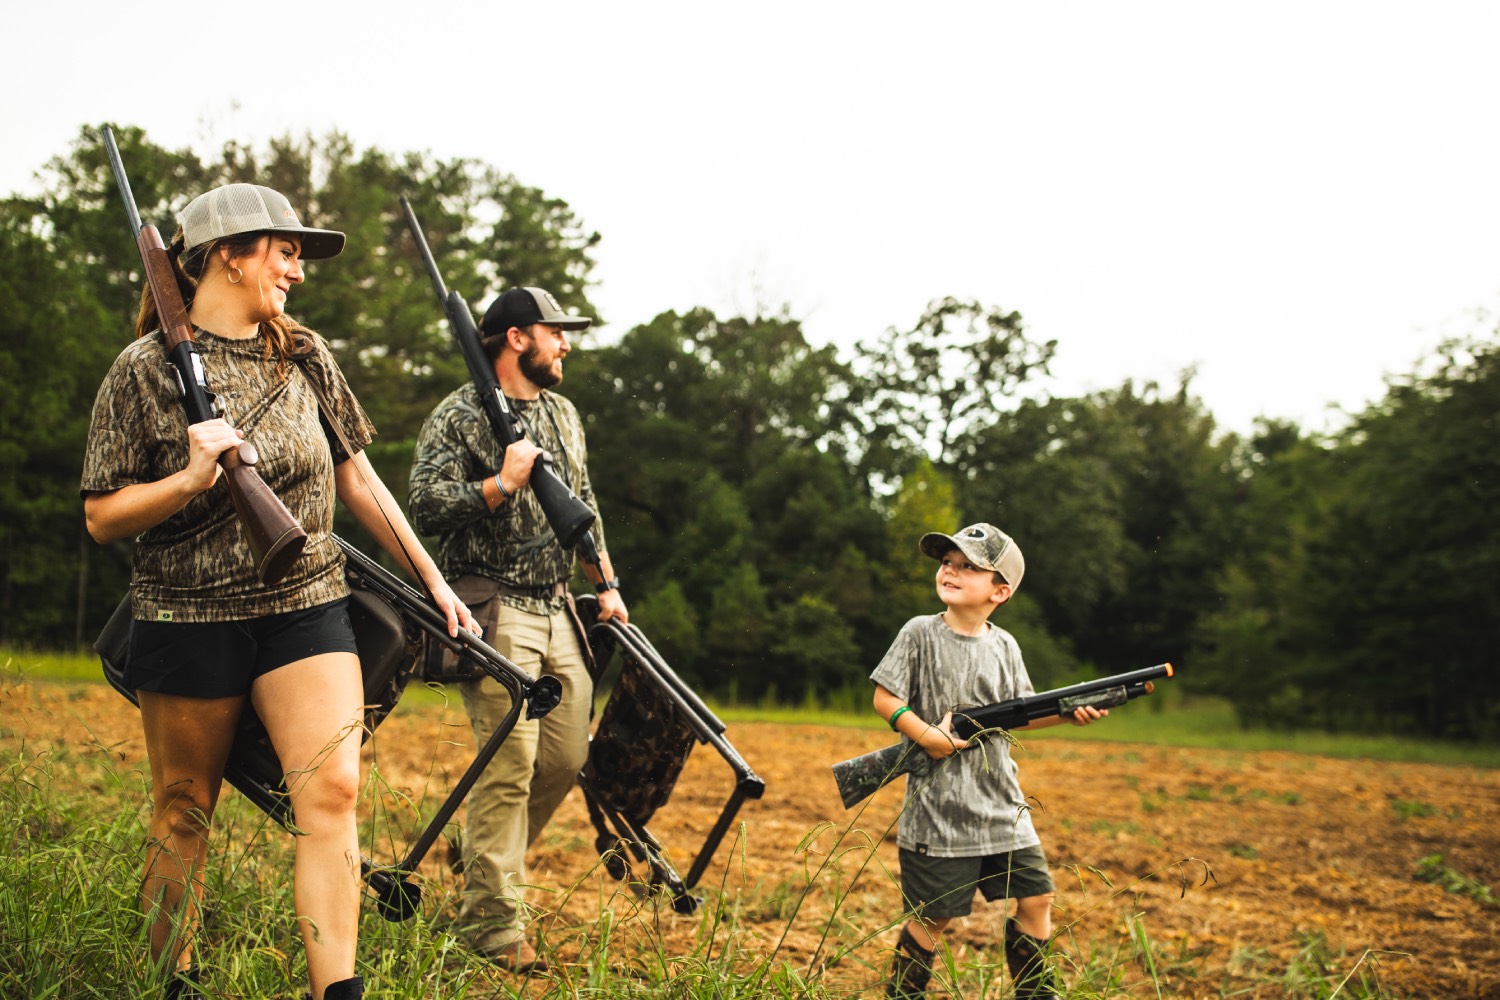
[497, 551]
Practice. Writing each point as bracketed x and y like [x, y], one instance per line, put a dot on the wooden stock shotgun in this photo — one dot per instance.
[273, 534]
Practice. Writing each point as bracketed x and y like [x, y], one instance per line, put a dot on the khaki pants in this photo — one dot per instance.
[528, 778]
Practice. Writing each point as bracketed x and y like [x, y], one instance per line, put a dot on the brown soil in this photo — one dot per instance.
[1226, 861]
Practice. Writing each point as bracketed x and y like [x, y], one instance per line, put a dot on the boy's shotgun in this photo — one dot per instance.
[859, 777]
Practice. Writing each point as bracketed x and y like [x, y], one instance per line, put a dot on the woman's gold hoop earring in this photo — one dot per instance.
[232, 279]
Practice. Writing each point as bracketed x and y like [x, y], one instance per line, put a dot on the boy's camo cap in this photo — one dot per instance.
[984, 545]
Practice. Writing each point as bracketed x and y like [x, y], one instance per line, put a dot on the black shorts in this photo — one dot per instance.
[936, 888]
[222, 659]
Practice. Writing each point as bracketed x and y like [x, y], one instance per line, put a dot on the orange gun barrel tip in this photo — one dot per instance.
[1171, 670]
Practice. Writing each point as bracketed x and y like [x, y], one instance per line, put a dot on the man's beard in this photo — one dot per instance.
[542, 376]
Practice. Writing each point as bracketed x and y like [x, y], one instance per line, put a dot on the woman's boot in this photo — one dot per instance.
[345, 989]
[183, 986]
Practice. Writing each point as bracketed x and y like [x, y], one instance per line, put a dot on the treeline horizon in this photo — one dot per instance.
[762, 496]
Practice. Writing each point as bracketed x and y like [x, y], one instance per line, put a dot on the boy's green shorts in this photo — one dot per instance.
[937, 888]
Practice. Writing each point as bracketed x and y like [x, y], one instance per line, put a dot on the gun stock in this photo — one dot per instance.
[275, 538]
[860, 777]
[569, 517]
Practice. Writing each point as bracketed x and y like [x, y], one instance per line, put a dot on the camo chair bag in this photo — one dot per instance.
[639, 747]
[389, 653]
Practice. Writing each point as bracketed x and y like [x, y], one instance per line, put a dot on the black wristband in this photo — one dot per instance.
[613, 583]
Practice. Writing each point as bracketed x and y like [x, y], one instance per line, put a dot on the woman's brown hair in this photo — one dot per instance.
[188, 268]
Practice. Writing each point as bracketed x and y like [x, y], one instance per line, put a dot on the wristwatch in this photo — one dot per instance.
[613, 583]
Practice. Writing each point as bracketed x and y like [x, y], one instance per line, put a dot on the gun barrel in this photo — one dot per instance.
[117, 166]
[1103, 692]
[423, 250]
[273, 534]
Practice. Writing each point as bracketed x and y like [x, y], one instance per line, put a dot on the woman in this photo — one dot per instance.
[209, 637]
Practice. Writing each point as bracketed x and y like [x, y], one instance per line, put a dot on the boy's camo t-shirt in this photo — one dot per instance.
[970, 803]
[196, 566]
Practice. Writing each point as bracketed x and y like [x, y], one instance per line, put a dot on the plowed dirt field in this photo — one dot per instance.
[1231, 864]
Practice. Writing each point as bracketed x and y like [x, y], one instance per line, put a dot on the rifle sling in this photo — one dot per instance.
[302, 348]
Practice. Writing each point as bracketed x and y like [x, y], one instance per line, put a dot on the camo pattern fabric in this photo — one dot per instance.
[639, 747]
[195, 566]
[971, 803]
[860, 777]
[512, 544]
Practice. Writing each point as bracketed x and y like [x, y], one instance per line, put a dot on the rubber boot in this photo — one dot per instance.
[1026, 957]
[910, 970]
[345, 989]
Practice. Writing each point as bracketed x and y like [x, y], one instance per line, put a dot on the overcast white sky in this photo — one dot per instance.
[1294, 197]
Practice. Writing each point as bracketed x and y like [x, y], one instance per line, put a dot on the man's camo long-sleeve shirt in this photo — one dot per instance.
[512, 544]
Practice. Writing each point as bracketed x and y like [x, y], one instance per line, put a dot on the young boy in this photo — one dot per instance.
[966, 826]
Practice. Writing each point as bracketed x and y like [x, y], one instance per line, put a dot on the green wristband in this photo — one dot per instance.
[897, 714]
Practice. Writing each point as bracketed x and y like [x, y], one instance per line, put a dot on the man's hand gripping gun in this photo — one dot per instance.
[569, 517]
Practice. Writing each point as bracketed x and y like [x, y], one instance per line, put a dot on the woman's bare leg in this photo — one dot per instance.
[312, 711]
[187, 743]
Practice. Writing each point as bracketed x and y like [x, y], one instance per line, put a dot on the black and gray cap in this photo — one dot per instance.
[523, 306]
[252, 208]
[984, 545]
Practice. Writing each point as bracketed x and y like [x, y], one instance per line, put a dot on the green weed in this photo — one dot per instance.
[1433, 869]
[1412, 809]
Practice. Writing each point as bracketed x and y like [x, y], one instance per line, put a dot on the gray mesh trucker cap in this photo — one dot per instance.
[252, 208]
[984, 545]
[523, 306]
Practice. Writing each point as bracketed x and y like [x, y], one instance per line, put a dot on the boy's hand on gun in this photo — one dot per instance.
[1085, 714]
[939, 741]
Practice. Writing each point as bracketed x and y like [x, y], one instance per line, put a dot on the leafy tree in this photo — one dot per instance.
[72, 275]
[1362, 592]
[1121, 502]
[1047, 473]
[737, 629]
[1257, 647]
[48, 334]
[922, 391]
[1408, 559]
[69, 269]
[669, 619]
[815, 647]
[925, 502]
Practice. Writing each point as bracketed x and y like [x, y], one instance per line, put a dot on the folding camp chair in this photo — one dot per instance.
[393, 625]
[646, 730]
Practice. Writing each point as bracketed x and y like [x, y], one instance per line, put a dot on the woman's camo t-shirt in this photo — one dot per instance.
[196, 566]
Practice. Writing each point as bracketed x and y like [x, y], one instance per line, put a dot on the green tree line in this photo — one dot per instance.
[763, 495]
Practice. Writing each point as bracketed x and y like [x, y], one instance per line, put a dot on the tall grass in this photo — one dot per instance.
[72, 822]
